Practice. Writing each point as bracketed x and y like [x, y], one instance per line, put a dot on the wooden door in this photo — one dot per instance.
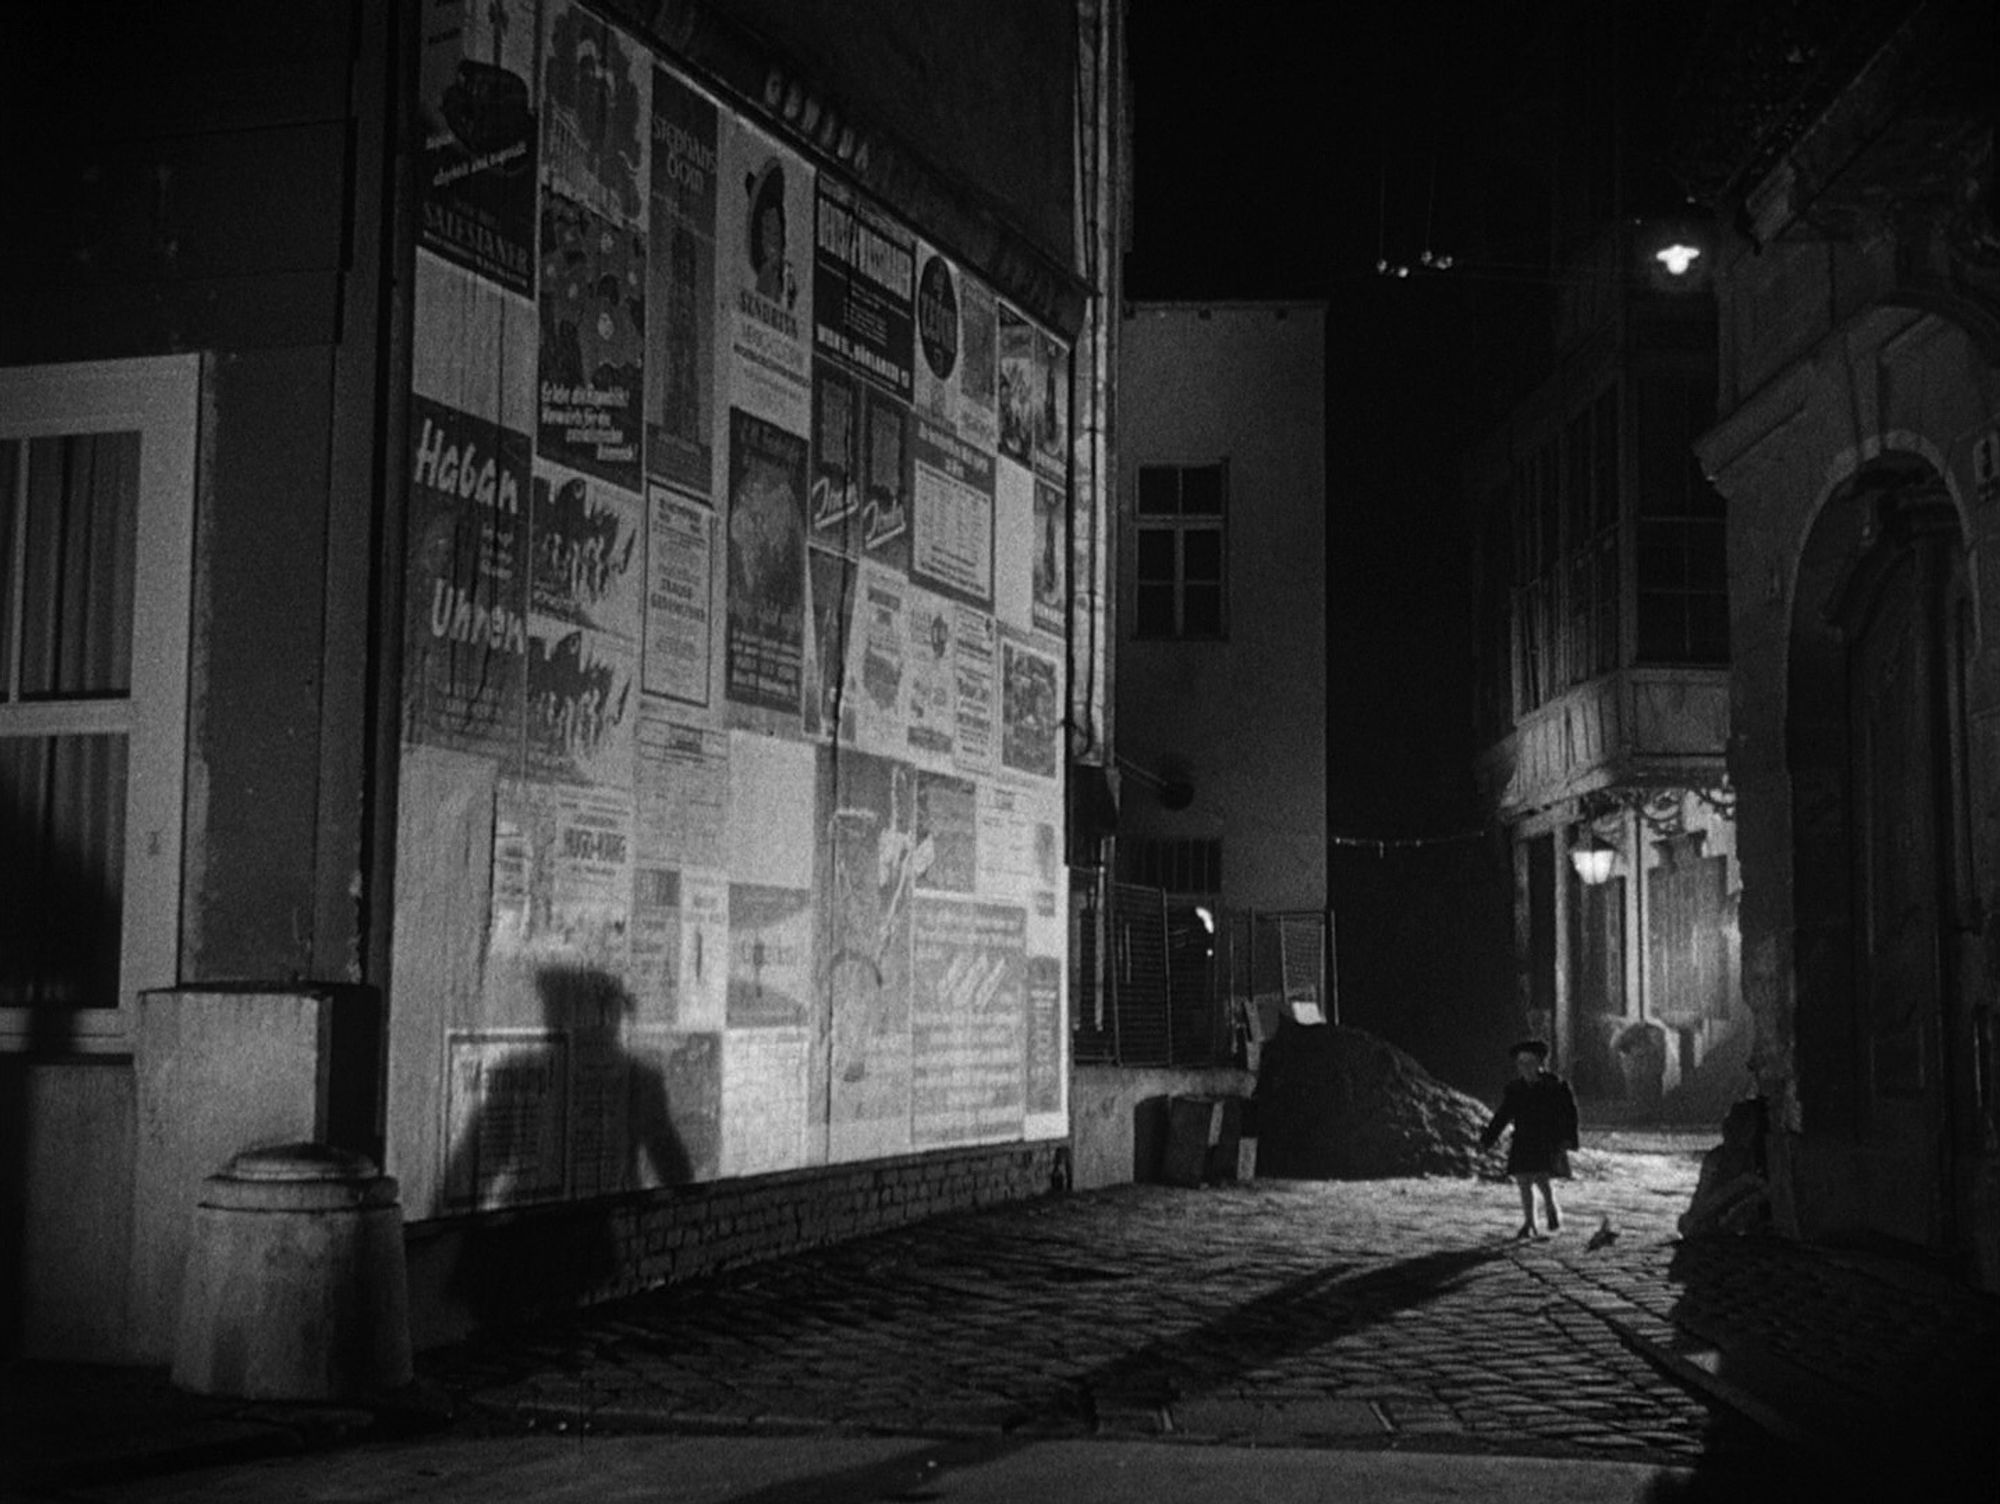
[1895, 710]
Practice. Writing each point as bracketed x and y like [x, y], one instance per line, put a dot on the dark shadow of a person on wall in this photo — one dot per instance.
[572, 1117]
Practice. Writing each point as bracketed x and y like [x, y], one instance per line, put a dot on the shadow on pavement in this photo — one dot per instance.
[1869, 1377]
[1297, 1316]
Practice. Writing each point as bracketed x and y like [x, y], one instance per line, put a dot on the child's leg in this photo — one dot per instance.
[1548, 1189]
[1527, 1185]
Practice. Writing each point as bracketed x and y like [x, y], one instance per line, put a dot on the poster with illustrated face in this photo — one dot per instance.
[476, 104]
[763, 247]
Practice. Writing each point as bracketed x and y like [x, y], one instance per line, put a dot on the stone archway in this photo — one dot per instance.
[1874, 718]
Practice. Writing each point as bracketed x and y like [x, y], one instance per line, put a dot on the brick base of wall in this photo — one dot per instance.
[504, 1267]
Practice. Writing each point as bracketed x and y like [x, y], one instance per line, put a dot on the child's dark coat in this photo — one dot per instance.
[1543, 1112]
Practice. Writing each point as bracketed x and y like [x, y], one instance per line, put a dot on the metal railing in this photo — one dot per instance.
[1154, 984]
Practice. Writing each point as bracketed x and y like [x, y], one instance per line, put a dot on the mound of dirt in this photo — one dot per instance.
[1341, 1104]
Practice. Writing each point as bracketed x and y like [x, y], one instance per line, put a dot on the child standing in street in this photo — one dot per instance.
[1542, 1109]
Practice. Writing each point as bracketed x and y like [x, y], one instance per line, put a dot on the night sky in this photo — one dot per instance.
[1281, 160]
[1270, 168]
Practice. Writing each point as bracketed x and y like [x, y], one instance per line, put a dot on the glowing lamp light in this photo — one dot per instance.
[1593, 860]
[1207, 919]
[1677, 258]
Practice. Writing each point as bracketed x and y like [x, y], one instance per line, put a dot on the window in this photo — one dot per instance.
[1176, 865]
[96, 494]
[1565, 517]
[1178, 551]
[1683, 583]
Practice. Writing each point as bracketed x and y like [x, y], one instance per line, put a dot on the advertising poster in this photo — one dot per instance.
[874, 860]
[967, 1022]
[951, 543]
[1014, 543]
[680, 289]
[887, 484]
[602, 1146]
[938, 379]
[519, 906]
[956, 342]
[680, 573]
[763, 248]
[1052, 407]
[593, 342]
[582, 706]
[1020, 844]
[975, 644]
[590, 901]
[770, 956]
[589, 554]
[689, 1070]
[930, 678]
[466, 639]
[1046, 1032]
[864, 283]
[506, 1113]
[473, 348]
[772, 782]
[763, 1100]
[832, 581]
[681, 774]
[704, 991]
[477, 115]
[881, 642]
[645, 1109]
[597, 115]
[834, 507]
[1021, 386]
[767, 563]
[1051, 563]
[1030, 709]
[653, 970]
[948, 821]
[979, 364]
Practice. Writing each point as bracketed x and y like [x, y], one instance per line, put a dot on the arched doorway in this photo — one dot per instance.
[1881, 885]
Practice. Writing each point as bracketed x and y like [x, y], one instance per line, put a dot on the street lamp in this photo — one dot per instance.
[1593, 859]
[1678, 257]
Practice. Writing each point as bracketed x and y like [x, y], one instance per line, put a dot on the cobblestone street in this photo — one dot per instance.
[1275, 1317]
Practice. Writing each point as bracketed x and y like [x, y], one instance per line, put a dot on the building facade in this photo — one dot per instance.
[1858, 444]
[1603, 689]
[554, 584]
[1221, 701]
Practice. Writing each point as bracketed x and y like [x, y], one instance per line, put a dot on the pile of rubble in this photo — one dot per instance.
[1341, 1104]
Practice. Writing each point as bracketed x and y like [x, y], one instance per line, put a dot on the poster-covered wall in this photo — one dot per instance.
[730, 828]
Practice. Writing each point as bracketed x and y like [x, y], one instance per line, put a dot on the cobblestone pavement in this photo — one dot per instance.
[1395, 1315]
[1271, 1312]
